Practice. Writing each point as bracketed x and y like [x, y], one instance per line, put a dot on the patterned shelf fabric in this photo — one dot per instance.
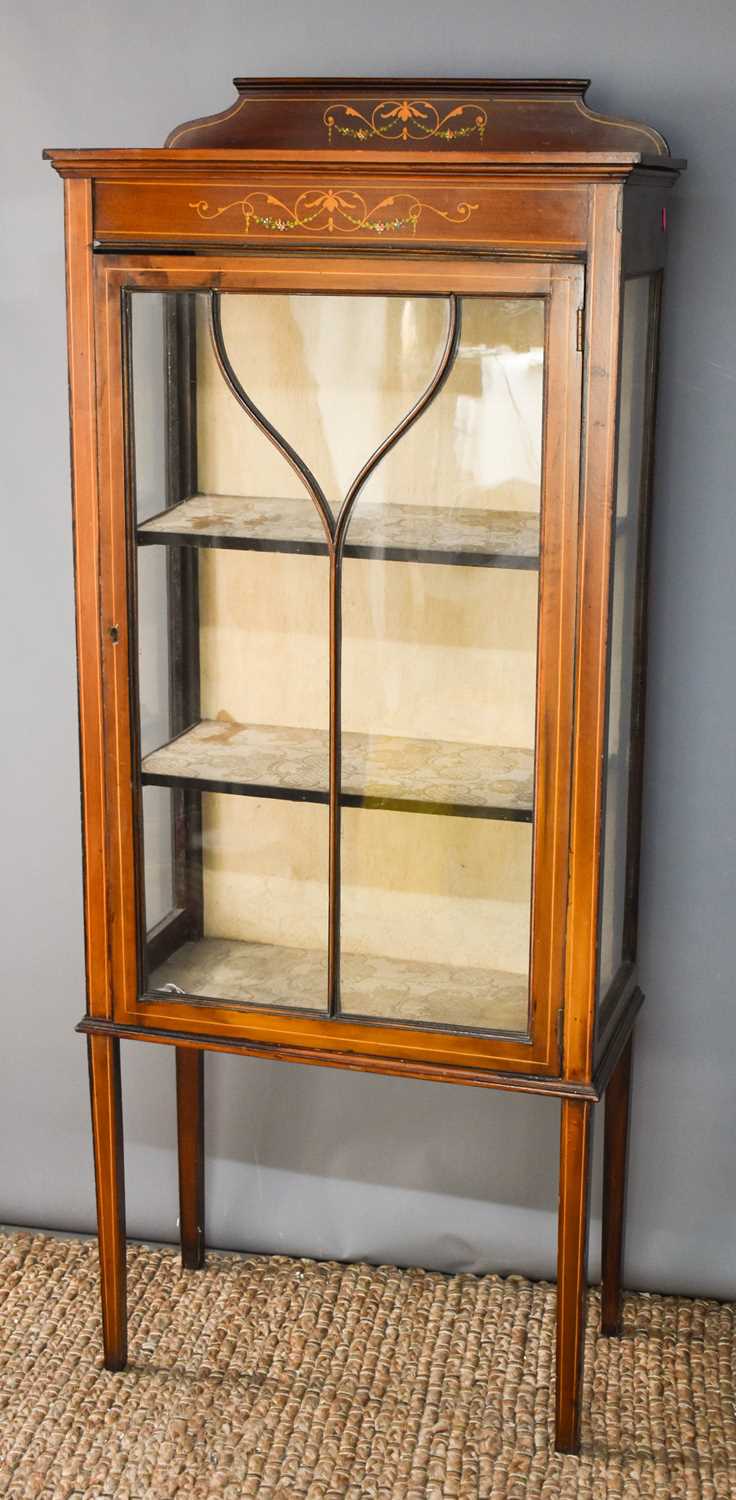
[394, 988]
[437, 772]
[425, 528]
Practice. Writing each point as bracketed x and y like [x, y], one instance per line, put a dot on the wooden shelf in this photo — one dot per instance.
[396, 533]
[376, 987]
[409, 775]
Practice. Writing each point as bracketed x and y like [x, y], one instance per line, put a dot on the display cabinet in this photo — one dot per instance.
[362, 389]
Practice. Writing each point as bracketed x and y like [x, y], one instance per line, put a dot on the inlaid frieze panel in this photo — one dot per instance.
[187, 208]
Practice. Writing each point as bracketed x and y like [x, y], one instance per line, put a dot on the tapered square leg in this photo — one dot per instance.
[190, 1130]
[572, 1256]
[615, 1152]
[103, 1055]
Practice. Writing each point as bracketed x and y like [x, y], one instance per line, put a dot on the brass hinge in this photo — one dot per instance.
[560, 1030]
[580, 318]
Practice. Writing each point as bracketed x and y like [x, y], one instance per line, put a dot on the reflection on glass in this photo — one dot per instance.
[439, 694]
[158, 869]
[478, 446]
[633, 418]
[147, 359]
[333, 374]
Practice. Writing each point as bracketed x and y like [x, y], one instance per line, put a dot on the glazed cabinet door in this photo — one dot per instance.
[343, 503]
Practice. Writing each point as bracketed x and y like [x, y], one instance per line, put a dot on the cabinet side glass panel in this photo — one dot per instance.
[439, 671]
[634, 420]
[233, 681]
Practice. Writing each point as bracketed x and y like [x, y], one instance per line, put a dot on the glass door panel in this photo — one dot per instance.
[439, 669]
[233, 673]
[336, 510]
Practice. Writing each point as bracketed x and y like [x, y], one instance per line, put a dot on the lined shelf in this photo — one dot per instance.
[382, 988]
[378, 771]
[396, 533]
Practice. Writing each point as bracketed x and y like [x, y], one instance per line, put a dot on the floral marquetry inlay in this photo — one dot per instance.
[405, 120]
[332, 212]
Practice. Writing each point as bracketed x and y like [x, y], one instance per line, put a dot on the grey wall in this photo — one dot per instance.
[307, 1160]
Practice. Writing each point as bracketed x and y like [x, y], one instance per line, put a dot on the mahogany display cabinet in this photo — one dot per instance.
[362, 385]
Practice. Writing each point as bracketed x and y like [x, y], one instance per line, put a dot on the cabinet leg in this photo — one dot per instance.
[614, 1189]
[103, 1053]
[572, 1254]
[190, 1130]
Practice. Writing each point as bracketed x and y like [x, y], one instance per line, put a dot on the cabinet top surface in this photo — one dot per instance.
[483, 122]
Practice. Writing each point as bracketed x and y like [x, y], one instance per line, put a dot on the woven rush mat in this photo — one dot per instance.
[284, 1378]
